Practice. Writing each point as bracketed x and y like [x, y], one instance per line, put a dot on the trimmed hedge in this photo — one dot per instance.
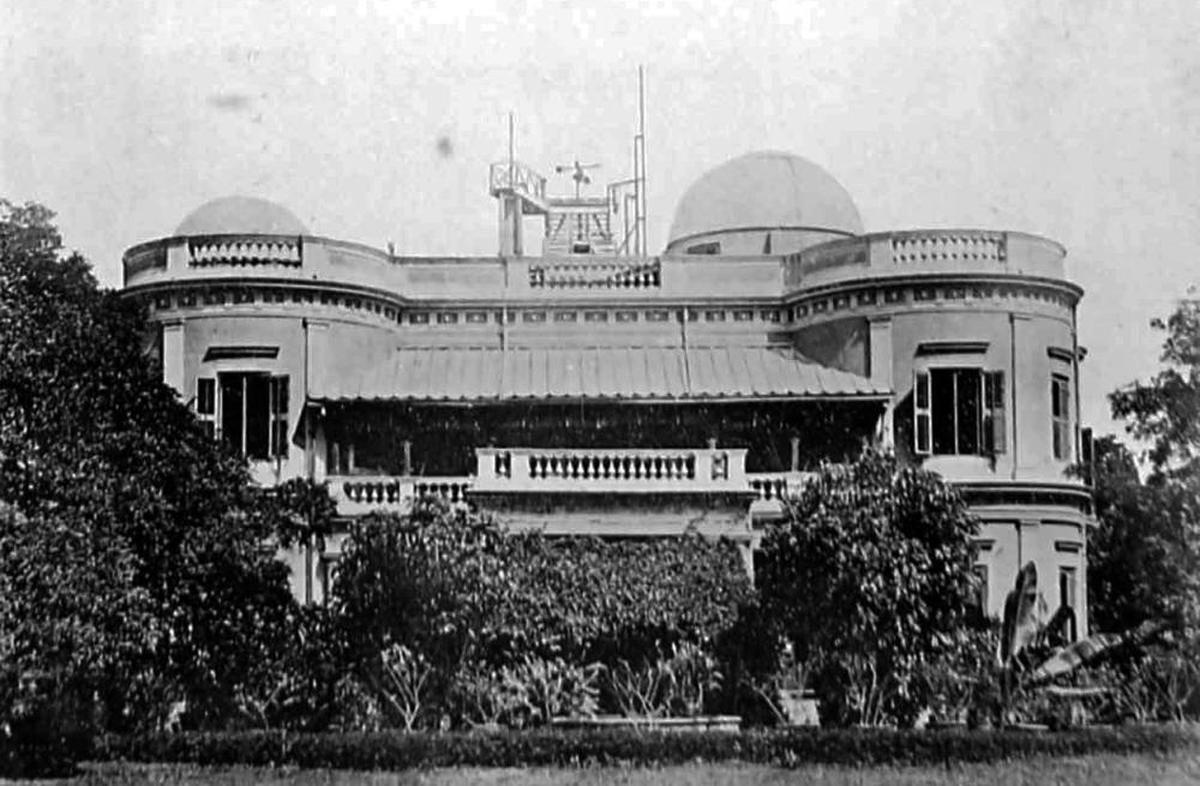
[549, 747]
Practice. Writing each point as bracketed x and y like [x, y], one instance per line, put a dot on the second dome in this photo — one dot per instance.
[765, 202]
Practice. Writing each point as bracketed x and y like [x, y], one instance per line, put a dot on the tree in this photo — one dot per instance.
[1166, 410]
[868, 578]
[135, 559]
[1143, 560]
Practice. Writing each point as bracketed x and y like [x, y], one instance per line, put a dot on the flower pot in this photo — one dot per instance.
[800, 707]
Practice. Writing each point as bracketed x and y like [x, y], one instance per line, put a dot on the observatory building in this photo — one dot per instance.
[599, 389]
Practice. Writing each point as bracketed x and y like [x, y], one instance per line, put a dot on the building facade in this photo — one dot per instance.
[590, 390]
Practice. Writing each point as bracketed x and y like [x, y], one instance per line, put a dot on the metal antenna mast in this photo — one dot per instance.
[639, 166]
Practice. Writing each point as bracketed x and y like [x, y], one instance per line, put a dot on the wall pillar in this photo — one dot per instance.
[172, 355]
[880, 362]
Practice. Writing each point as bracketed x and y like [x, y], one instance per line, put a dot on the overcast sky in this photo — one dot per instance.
[376, 121]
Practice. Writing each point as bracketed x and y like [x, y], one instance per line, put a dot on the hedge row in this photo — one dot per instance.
[548, 747]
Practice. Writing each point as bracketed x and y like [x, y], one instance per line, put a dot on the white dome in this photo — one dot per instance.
[238, 215]
[765, 190]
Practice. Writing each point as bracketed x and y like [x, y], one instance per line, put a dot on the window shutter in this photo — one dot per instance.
[206, 404]
[1086, 454]
[995, 421]
[279, 416]
[922, 420]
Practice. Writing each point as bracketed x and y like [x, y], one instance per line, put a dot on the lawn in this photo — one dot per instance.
[1100, 770]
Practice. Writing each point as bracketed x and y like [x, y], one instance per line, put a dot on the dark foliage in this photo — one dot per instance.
[549, 747]
[869, 577]
[1144, 557]
[134, 556]
[1166, 410]
[456, 587]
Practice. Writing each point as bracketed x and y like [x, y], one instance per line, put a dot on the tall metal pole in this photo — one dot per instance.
[512, 162]
[641, 175]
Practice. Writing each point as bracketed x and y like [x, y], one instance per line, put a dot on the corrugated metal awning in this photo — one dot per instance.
[455, 374]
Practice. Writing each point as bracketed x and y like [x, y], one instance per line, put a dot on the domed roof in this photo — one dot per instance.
[765, 189]
[239, 215]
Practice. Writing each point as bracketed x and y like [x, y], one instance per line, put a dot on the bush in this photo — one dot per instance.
[45, 726]
[530, 693]
[471, 600]
[675, 684]
[869, 578]
[553, 747]
[1161, 684]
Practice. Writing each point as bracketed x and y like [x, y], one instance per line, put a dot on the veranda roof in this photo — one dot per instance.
[467, 375]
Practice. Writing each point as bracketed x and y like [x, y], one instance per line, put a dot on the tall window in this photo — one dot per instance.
[1060, 415]
[251, 410]
[958, 411]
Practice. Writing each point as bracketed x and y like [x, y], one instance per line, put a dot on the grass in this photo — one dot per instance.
[1100, 770]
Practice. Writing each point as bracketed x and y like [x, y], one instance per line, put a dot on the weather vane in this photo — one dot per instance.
[578, 173]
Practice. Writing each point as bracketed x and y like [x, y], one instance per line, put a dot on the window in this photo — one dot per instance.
[253, 413]
[1060, 415]
[958, 411]
[1067, 587]
[206, 404]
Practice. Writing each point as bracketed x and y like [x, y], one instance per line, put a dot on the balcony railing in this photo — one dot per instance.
[777, 485]
[358, 494]
[577, 471]
[696, 470]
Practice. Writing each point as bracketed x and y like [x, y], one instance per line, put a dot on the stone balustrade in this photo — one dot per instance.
[244, 250]
[356, 494]
[776, 485]
[923, 252]
[551, 470]
[931, 246]
[596, 275]
[698, 470]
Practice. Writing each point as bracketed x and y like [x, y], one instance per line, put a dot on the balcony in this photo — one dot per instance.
[679, 471]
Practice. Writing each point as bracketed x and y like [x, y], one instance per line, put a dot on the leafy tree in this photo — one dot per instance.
[1166, 410]
[135, 560]
[1143, 557]
[869, 578]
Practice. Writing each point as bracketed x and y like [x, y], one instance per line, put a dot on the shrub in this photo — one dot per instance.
[302, 687]
[674, 684]
[404, 683]
[531, 692]
[868, 578]
[454, 587]
[555, 747]
[961, 683]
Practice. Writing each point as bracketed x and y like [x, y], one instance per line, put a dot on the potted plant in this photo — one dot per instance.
[798, 705]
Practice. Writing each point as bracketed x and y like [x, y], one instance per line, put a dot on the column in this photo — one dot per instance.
[172, 355]
[880, 371]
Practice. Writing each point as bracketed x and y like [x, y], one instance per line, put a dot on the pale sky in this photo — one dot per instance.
[376, 121]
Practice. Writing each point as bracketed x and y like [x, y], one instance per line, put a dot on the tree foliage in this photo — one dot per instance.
[1144, 555]
[1166, 410]
[457, 587]
[870, 576]
[132, 549]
